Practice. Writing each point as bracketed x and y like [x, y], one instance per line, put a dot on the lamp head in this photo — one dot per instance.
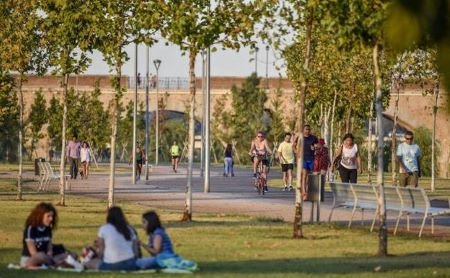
[157, 63]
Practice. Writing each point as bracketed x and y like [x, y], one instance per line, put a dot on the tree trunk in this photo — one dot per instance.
[62, 164]
[369, 146]
[20, 174]
[382, 233]
[394, 135]
[433, 142]
[348, 120]
[115, 117]
[330, 146]
[298, 218]
[187, 213]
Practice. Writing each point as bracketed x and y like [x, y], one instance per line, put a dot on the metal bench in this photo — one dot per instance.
[415, 200]
[404, 200]
[50, 175]
[343, 197]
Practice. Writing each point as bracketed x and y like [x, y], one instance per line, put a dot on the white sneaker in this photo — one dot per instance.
[285, 188]
[76, 264]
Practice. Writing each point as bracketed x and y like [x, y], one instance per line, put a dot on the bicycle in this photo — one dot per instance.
[261, 182]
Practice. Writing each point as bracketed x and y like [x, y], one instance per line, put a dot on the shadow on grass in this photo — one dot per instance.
[334, 265]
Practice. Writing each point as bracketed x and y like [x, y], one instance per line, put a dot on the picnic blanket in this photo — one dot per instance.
[164, 270]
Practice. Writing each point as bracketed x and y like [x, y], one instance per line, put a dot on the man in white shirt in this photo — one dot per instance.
[408, 155]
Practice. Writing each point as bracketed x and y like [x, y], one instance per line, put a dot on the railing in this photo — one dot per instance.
[165, 83]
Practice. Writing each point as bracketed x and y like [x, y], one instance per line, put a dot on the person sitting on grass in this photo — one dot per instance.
[159, 244]
[38, 250]
[117, 244]
[160, 247]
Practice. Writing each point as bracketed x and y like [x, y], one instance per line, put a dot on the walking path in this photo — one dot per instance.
[229, 195]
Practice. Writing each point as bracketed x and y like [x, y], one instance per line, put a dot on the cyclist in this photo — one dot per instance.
[260, 151]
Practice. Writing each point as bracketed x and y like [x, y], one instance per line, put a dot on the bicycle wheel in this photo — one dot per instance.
[258, 185]
[263, 185]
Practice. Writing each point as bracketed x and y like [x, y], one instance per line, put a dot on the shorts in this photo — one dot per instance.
[139, 161]
[129, 264]
[262, 159]
[286, 167]
[308, 165]
[175, 156]
[411, 179]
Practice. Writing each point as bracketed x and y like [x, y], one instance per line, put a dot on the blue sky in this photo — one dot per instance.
[223, 62]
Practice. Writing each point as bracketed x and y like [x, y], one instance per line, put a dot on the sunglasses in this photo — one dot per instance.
[408, 138]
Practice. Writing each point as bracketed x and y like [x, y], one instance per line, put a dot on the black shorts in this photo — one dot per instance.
[286, 167]
[262, 159]
[139, 161]
[175, 156]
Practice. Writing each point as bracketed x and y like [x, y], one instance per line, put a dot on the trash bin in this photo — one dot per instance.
[36, 166]
[316, 187]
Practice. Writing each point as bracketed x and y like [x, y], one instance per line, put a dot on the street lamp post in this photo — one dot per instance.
[157, 63]
[147, 65]
[135, 112]
[202, 154]
[207, 122]
[267, 67]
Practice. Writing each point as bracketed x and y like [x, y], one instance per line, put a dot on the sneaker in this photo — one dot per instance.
[76, 264]
[291, 188]
[254, 175]
[285, 188]
[224, 174]
[232, 174]
[266, 189]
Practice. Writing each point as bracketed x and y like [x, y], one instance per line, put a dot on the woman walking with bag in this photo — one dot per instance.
[348, 160]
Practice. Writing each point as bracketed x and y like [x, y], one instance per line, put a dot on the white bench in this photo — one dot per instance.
[47, 175]
[404, 200]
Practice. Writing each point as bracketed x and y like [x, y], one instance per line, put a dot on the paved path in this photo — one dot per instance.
[229, 195]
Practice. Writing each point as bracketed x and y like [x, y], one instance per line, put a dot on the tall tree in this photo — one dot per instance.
[54, 127]
[9, 116]
[21, 52]
[194, 25]
[360, 23]
[36, 120]
[298, 18]
[121, 23]
[245, 122]
[68, 29]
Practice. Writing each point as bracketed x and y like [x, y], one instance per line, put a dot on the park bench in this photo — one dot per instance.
[403, 200]
[48, 174]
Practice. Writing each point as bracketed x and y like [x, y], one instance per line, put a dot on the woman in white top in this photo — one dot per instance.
[117, 244]
[350, 161]
[85, 157]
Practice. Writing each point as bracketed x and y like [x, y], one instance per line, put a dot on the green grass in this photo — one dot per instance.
[233, 245]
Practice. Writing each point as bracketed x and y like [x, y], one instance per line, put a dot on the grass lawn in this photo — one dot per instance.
[233, 245]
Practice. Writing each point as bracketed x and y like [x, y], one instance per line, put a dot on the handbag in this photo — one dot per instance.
[337, 160]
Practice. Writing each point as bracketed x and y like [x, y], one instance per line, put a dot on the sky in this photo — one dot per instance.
[223, 62]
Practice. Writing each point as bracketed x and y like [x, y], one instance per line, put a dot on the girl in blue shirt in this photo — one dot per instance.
[159, 244]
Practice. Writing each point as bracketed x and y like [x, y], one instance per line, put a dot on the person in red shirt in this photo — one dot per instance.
[321, 158]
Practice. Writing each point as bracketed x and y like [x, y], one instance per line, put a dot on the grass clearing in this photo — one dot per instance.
[233, 245]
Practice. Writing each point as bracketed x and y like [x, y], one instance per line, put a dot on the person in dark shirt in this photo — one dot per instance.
[37, 247]
[309, 141]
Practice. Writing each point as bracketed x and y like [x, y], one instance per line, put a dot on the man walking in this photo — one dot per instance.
[309, 141]
[408, 155]
[73, 155]
[287, 158]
